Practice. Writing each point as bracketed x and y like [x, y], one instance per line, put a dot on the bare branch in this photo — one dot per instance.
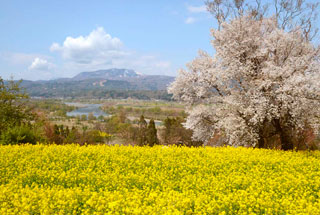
[289, 14]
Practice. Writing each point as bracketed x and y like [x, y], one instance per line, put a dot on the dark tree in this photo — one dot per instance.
[142, 136]
[152, 138]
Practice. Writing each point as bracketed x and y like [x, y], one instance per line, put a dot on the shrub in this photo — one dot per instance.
[175, 134]
[20, 135]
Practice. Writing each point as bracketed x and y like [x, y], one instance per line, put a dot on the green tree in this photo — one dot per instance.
[101, 118]
[13, 108]
[142, 137]
[58, 134]
[84, 117]
[91, 117]
[73, 136]
[175, 134]
[122, 116]
[151, 137]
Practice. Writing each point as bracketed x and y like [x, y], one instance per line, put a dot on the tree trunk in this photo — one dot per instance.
[285, 136]
[261, 142]
[286, 141]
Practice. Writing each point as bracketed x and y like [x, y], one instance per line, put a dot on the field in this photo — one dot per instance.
[158, 110]
[161, 180]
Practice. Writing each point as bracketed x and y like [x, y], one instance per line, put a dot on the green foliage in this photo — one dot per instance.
[142, 133]
[58, 107]
[147, 133]
[84, 117]
[119, 126]
[91, 117]
[13, 109]
[112, 124]
[175, 134]
[149, 110]
[94, 136]
[20, 134]
[84, 89]
[73, 136]
[100, 118]
[151, 134]
[60, 134]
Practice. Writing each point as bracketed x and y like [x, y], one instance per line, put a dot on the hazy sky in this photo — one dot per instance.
[60, 38]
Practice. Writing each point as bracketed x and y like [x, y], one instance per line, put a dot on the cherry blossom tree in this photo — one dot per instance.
[288, 14]
[262, 81]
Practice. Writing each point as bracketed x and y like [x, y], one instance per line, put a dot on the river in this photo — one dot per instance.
[86, 109]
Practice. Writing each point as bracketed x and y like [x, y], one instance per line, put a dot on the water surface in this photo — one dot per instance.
[86, 109]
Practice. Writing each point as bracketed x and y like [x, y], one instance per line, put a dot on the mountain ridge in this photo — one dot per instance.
[99, 83]
[110, 74]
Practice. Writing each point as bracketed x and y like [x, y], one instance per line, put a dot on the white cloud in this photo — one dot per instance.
[190, 20]
[97, 47]
[100, 50]
[29, 66]
[39, 64]
[196, 13]
[197, 9]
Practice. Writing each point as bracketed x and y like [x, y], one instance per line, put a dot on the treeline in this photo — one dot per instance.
[21, 123]
[60, 134]
[156, 112]
[142, 133]
[102, 94]
[57, 107]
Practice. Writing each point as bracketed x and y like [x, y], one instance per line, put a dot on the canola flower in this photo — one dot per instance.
[104, 134]
[160, 180]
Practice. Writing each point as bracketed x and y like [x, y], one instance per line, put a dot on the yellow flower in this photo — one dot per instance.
[103, 179]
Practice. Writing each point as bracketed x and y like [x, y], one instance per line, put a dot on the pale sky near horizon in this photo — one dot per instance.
[50, 39]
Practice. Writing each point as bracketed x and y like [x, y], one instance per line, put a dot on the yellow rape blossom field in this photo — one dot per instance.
[161, 180]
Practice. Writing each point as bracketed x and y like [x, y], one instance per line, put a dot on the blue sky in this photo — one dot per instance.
[49, 39]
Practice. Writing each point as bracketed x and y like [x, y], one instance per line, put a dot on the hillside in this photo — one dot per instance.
[110, 74]
[111, 83]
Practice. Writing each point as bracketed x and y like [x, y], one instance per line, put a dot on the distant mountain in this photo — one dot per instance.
[122, 83]
[110, 74]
